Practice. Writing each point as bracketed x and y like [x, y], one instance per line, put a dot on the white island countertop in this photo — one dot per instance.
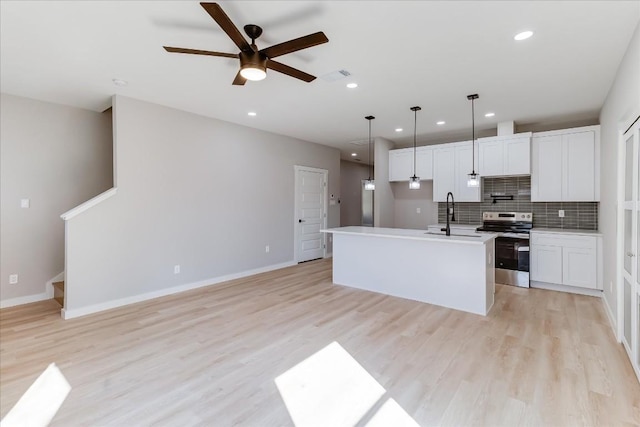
[452, 271]
[401, 233]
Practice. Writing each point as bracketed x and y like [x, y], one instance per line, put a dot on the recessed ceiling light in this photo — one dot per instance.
[252, 113]
[354, 154]
[120, 82]
[440, 123]
[490, 114]
[352, 85]
[523, 35]
[399, 129]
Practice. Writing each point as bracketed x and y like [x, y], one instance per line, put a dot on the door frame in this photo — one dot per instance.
[624, 126]
[325, 198]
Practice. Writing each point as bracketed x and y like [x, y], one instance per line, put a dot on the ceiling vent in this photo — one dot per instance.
[335, 75]
[359, 142]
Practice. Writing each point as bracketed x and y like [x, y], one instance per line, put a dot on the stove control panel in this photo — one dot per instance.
[508, 216]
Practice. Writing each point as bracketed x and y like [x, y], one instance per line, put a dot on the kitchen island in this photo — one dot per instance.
[451, 271]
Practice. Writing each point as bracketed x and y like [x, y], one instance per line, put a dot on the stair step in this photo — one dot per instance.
[58, 292]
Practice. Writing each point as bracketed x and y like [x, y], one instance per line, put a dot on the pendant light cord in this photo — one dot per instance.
[472, 98]
[369, 118]
[473, 139]
[415, 130]
[369, 157]
[415, 127]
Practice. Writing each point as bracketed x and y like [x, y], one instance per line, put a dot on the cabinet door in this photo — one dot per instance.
[579, 267]
[546, 264]
[546, 169]
[579, 172]
[400, 164]
[463, 159]
[443, 173]
[424, 163]
[491, 158]
[517, 156]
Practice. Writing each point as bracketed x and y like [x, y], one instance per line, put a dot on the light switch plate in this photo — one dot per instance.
[25, 203]
[13, 279]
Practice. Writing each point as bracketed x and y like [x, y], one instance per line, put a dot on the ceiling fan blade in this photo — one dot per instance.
[239, 80]
[295, 45]
[290, 71]
[225, 23]
[199, 52]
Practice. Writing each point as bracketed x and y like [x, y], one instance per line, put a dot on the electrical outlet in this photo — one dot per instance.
[266, 249]
[418, 210]
[561, 213]
[13, 279]
[176, 269]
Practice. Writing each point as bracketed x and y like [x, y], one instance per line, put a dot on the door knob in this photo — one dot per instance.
[631, 254]
[301, 220]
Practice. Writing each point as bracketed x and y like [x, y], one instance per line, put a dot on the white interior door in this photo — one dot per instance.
[311, 213]
[630, 292]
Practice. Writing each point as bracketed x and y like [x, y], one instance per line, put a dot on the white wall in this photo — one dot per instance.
[623, 101]
[57, 157]
[406, 203]
[383, 209]
[202, 193]
[351, 176]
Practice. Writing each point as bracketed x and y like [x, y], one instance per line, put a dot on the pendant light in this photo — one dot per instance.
[474, 179]
[369, 184]
[414, 181]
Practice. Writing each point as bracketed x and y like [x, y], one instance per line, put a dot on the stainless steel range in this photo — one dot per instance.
[512, 245]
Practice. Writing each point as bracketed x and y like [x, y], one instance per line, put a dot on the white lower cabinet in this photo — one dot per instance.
[579, 267]
[565, 259]
[546, 263]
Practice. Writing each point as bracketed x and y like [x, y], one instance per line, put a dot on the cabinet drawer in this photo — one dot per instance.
[564, 240]
[546, 239]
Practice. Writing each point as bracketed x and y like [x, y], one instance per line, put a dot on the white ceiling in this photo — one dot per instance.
[401, 54]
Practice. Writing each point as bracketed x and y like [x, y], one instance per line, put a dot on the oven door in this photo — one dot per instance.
[512, 261]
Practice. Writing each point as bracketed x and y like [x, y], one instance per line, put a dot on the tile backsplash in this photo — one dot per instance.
[577, 215]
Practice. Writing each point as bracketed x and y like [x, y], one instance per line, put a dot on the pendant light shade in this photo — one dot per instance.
[473, 178]
[370, 184]
[414, 181]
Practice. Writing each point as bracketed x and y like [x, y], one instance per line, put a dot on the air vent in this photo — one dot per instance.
[359, 142]
[335, 75]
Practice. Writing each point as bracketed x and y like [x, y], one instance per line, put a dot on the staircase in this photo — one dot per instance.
[58, 292]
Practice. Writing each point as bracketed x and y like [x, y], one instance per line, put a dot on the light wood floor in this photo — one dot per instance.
[210, 356]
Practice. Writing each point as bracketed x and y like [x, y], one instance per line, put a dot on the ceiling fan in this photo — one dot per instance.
[254, 62]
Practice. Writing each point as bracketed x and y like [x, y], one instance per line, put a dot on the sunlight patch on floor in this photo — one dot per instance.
[40, 403]
[330, 388]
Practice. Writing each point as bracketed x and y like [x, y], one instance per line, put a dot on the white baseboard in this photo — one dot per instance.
[564, 288]
[95, 308]
[25, 300]
[611, 317]
[28, 299]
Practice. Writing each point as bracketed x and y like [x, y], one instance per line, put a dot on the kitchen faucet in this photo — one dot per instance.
[447, 229]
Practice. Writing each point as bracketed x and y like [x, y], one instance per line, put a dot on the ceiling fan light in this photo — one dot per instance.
[414, 183]
[253, 73]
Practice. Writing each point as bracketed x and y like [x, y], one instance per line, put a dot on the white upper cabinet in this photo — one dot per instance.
[401, 163]
[424, 162]
[566, 165]
[444, 177]
[464, 164]
[505, 155]
[451, 165]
